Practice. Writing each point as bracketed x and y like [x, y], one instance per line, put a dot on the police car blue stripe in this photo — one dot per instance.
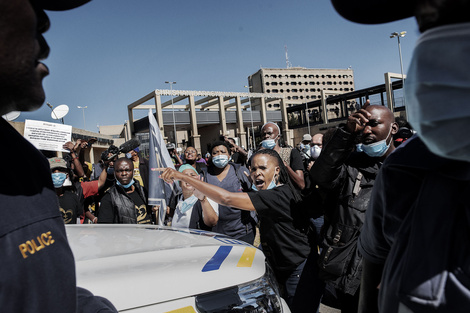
[219, 257]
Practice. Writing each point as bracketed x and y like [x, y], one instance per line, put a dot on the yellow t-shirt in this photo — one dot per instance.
[137, 173]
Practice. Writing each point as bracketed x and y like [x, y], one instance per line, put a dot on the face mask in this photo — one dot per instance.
[304, 147]
[268, 144]
[58, 179]
[272, 184]
[125, 186]
[437, 90]
[220, 161]
[188, 204]
[128, 155]
[315, 152]
[376, 149]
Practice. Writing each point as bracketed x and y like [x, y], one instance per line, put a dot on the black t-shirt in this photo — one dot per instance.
[143, 215]
[70, 207]
[283, 243]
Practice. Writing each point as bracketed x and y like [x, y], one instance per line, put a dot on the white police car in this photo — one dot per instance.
[159, 269]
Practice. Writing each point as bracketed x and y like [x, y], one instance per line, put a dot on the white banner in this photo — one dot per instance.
[47, 136]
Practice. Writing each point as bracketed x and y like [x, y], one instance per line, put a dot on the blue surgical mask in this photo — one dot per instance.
[125, 186]
[220, 161]
[376, 149]
[437, 90]
[58, 179]
[128, 155]
[268, 144]
[188, 204]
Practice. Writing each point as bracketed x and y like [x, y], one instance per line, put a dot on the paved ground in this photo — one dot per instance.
[327, 309]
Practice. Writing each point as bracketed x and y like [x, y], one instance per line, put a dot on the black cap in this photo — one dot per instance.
[59, 5]
[374, 11]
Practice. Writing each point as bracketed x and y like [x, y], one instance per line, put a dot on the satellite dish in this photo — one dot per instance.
[60, 111]
[11, 116]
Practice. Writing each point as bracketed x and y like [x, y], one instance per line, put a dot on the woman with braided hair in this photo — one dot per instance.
[275, 198]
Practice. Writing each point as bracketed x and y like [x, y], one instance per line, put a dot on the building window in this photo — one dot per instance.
[295, 98]
[275, 91]
[267, 83]
[293, 83]
[311, 83]
[294, 90]
[292, 76]
[274, 84]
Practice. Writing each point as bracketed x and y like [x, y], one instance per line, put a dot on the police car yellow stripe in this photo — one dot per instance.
[247, 258]
[187, 309]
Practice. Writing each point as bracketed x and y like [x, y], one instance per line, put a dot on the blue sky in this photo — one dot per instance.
[109, 53]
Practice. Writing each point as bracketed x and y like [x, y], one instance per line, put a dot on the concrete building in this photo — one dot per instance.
[200, 117]
[299, 85]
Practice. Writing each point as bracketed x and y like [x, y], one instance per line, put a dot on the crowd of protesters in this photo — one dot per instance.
[307, 204]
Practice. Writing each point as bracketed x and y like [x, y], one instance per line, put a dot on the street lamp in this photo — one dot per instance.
[306, 114]
[172, 109]
[83, 109]
[400, 35]
[251, 114]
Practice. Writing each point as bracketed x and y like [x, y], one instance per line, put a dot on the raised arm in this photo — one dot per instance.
[103, 176]
[238, 200]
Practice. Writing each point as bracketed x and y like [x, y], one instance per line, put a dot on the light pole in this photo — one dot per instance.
[251, 114]
[83, 109]
[306, 114]
[400, 35]
[173, 110]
